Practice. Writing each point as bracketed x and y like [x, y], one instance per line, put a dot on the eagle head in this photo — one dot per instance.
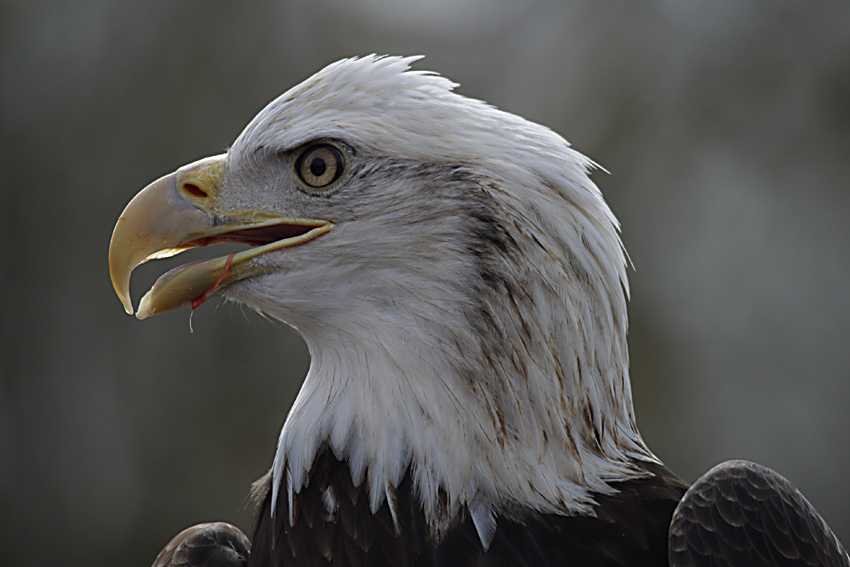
[456, 274]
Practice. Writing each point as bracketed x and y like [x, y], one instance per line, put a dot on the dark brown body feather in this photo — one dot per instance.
[739, 514]
[630, 530]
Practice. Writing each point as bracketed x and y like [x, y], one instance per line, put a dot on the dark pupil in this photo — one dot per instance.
[318, 167]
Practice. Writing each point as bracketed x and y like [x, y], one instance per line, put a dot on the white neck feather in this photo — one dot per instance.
[495, 370]
[386, 412]
[542, 421]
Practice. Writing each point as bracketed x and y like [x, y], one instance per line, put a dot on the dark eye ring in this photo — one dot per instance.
[320, 165]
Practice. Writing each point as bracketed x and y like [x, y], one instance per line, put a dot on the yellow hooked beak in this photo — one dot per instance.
[181, 211]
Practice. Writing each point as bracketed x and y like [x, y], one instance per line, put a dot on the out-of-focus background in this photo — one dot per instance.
[726, 129]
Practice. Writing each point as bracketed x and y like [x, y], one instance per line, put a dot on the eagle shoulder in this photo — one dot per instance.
[217, 544]
[743, 514]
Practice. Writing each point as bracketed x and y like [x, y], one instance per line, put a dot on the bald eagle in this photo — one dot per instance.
[461, 285]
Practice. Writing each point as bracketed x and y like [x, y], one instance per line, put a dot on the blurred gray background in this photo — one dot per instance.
[726, 129]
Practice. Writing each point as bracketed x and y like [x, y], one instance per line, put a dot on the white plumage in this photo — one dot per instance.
[388, 325]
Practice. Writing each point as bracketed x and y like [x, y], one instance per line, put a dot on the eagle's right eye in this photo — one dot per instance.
[319, 166]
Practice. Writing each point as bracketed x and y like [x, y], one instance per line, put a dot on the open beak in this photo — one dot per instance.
[180, 211]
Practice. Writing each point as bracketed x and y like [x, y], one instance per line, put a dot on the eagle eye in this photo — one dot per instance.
[318, 166]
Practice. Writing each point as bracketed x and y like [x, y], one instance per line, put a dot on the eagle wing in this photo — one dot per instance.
[217, 544]
[743, 514]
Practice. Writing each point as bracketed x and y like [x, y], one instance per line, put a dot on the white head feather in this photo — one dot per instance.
[467, 316]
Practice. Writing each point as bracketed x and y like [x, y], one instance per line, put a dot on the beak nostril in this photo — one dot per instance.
[193, 190]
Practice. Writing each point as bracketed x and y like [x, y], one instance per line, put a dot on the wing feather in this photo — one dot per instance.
[740, 514]
[206, 545]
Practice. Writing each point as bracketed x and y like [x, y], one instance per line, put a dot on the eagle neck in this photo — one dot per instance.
[396, 404]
